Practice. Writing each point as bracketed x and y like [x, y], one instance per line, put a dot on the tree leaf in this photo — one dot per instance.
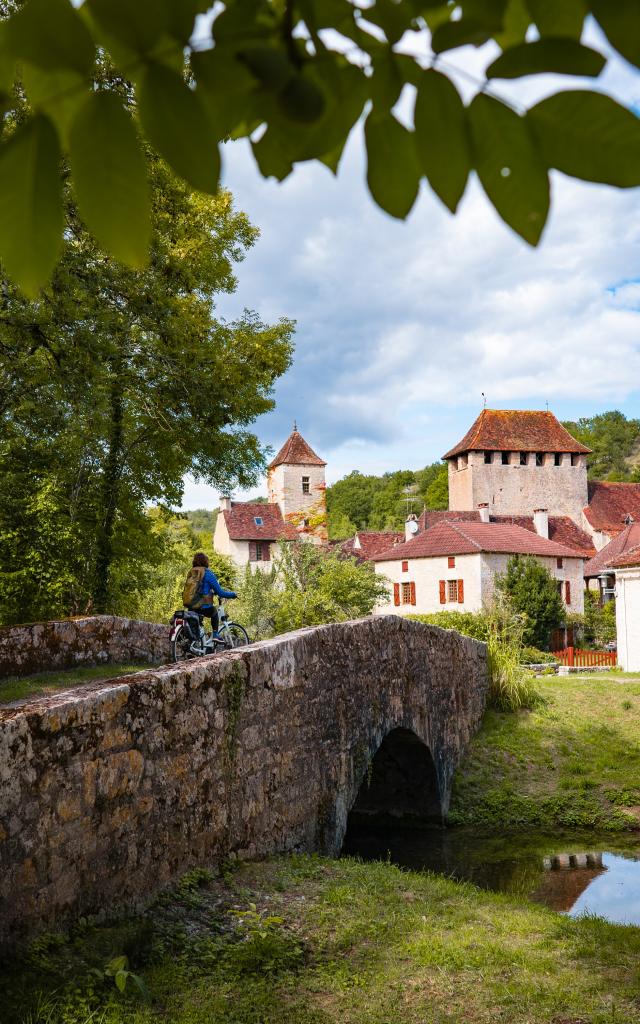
[302, 100]
[269, 65]
[515, 24]
[135, 24]
[442, 137]
[393, 172]
[466, 32]
[560, 55]
[558, 17]
[588, 135]
[387, 81]
[50, 34]
[620, 22]
[270, 155]
[177, 124]
[509, 166]
[110, 179]
[30, 204]
[58, 93]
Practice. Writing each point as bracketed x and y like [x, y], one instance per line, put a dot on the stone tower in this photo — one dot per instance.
[295, 481]
[515, 462]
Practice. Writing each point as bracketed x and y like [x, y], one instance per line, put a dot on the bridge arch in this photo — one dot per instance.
[401, 783]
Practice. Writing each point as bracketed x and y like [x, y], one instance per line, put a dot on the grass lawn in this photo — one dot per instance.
[14, 688]
[304, 940]
[574, 761]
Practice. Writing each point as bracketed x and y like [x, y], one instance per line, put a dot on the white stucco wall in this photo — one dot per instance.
[518, 490]
[628, 618]
[426, 573]
[478, 573]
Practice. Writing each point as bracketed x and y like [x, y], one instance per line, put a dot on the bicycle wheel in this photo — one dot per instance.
[235, 635]
[180, 646]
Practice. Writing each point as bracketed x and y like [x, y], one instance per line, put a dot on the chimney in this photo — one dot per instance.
[225, 503]
[483, 509]
[541, 522]
[411, 526]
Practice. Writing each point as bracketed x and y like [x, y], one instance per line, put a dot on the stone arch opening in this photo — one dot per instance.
[401, 785]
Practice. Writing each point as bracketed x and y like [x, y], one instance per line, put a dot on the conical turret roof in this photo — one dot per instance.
[296, 452]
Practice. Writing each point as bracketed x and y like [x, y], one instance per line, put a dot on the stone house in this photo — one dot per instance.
[627, 592]
[296, 509]
[452, 566]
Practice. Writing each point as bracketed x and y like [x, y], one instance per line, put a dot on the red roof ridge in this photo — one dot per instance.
[452, 538]
[296, 452]
[517, 430]
[630, 559]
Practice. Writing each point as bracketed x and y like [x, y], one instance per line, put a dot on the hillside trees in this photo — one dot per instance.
[294, 78]
[114, 384]
[367, 502]
[615, 444]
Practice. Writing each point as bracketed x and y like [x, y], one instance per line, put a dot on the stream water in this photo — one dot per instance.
[571, 872]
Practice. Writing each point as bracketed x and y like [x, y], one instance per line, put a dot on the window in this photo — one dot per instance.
[559, 563]
[451, 562]
[505, 458]
[452, 590]
[524, 458]
[305, 485]
[539, 458]
[557, 459]
[405, 566]
[404, 593]
[567, 592]
[259, 551]
[258, 520]
[487, 458]
[575, 460]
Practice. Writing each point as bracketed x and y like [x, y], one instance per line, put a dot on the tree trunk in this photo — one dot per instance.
[110, 492]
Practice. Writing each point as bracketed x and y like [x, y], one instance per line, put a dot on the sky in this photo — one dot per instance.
[401, 326]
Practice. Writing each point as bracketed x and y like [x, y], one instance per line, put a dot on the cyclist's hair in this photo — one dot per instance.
[200, 559]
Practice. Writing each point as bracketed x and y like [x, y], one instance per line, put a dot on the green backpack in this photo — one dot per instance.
[192, 596]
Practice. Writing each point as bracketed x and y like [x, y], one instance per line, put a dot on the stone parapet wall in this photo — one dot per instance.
[110, 792]
[85, 641]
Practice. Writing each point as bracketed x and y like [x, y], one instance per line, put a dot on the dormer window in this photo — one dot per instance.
[258, 520]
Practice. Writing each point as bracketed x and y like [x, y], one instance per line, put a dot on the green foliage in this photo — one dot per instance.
[264, 947]
[263, 64]
[534, 656]
[599, 622]
[533, 594]
[112, 389]
[473, 624]
[306, 586]
[380, 502]
[615, 444]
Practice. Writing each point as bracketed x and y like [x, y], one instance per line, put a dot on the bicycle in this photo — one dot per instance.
[189, 639]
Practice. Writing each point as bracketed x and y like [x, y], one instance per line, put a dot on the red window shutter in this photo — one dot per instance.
[451, 562]
[460, 591]
[266, 552]
[567, 592]
[396, 593]
[405, 567]
[413, 593]
[253, 551]
[443, 592]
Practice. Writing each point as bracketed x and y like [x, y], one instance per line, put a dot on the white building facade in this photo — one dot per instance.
[627, 571]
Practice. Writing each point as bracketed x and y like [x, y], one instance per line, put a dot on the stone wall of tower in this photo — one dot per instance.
[514, 489]
[307, 512]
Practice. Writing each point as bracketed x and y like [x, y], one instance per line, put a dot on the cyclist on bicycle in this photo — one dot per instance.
[210, 586]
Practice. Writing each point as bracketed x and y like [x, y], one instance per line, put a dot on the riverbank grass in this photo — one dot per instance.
[45, 683]
[572, 761]
[304, 940]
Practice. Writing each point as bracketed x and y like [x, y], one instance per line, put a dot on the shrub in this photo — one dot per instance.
[534, 656]
[473, 624]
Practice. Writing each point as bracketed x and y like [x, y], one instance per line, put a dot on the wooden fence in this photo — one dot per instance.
[574, 657]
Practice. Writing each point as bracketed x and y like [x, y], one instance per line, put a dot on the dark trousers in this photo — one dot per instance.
[210, 613]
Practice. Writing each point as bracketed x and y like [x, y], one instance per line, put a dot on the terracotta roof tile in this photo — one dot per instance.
[458, 538]
[515, 430]
[630, 559]
[296, 452]
[372, 542]
[626, 540]
[562, 529]
[610, 502]
[241, 522]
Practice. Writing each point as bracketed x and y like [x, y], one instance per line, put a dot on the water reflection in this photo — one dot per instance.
[574, 873]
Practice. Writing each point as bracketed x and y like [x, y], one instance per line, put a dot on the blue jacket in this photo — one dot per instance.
[212, 586]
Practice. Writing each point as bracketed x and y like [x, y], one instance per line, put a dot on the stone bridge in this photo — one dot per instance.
[111, 791]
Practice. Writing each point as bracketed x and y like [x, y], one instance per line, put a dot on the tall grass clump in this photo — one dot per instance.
[511, 686]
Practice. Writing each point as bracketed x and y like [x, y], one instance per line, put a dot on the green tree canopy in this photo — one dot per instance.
[615, 444]
[533, 593]
[114, 384]
[295, 77]
[382, 502]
